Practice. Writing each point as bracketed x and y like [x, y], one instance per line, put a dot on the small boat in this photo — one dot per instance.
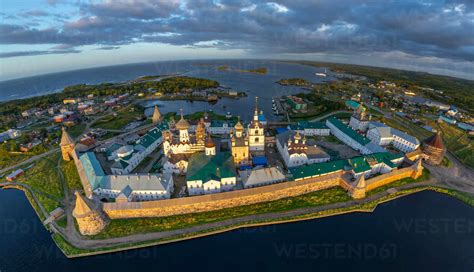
[228, 115]
[322, 74]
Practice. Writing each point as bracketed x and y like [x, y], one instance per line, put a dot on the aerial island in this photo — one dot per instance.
[103, 176]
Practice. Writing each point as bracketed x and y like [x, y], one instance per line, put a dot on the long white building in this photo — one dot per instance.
[385, 135]
[132, 188]
[310, 128]
[351, 138]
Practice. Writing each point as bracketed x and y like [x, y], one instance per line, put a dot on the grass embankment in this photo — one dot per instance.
[71, 251]
[458, 142]
[71, 176]
[43, 178]
[62, 222]
[466, 198]
[124, 227]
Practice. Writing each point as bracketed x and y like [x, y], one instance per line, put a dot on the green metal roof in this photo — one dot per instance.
[92, 168]
[202, 167]
[308, 125]
[348, 131]
[146, 140]
[155, 133]
[357, 164]
[317, 169]
[352, 104]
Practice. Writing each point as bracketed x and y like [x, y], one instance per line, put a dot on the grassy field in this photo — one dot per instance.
[8, 159]
[70, 175]
[43, 178]
[122, 227]
[76, 130]
[120, 119]
[62, 222]
[406, 126]
[458, 142]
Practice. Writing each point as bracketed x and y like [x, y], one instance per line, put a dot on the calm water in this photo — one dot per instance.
[426, 231]
[263, 86]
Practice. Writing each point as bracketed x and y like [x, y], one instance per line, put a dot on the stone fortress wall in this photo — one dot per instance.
[378, 181]
[82, 174]
[204, 203]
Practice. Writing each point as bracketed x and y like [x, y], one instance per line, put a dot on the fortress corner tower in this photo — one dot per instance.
[67, 145]
[90, 220]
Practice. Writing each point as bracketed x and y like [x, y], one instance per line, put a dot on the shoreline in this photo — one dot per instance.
[370, 206]
[360, 206]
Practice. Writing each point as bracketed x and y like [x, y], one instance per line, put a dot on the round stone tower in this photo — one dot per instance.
[89, 219]
[360, 187]
[67, 145]
[155, 119]
[434, 148]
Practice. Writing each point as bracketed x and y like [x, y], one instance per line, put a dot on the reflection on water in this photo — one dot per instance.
[422, 232]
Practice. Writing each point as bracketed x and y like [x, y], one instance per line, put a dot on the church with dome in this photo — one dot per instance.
[360, 120]
[256, 131]
[179, 140]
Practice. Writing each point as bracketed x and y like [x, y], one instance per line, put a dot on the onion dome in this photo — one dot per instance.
[297, 136]
[182, 124]
[239, 126]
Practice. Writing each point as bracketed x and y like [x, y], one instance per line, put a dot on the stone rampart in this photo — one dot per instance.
[390, 177]
[82, 175]
[213, 202]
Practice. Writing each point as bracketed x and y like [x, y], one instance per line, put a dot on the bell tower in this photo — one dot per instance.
[256, 132]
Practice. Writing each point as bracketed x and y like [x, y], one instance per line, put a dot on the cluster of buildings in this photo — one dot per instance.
[368, 136]
[295, 150]
[9, 134]
[239, 160]
[120, 187]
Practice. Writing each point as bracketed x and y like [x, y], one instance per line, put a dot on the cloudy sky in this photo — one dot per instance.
[44, 36]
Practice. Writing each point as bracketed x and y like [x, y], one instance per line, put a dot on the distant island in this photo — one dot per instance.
[260, 70]
[294, 82]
